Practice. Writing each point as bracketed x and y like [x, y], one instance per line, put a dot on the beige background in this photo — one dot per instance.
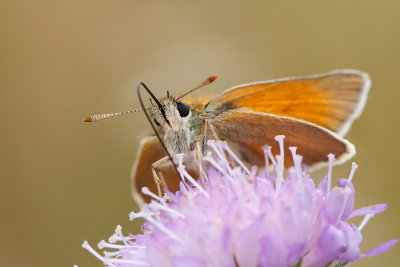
[63, 181]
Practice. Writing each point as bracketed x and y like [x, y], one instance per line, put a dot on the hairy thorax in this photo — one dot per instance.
[177, 142]
[183, 141]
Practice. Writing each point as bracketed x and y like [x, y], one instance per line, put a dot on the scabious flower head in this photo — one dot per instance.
[246, 218]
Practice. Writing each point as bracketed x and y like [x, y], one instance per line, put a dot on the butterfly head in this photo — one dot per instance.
[172, 115]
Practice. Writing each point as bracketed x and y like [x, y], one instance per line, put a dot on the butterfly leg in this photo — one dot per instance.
[199, 158]
[213, 131]
[156, 167]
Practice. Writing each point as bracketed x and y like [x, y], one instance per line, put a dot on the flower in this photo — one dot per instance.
[246, 218]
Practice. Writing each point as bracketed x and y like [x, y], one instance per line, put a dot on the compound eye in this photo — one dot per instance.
[183, 109]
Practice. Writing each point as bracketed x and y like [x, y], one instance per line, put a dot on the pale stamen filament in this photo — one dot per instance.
[365, 221]
[331, 158]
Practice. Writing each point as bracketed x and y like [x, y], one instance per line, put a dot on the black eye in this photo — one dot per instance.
[183, 109]
[156, 122]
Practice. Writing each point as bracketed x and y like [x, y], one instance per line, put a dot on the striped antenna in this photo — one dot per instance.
[105, 116]
[204, 83]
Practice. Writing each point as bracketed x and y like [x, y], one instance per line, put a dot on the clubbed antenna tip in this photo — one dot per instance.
[212, 78]
[204, 83]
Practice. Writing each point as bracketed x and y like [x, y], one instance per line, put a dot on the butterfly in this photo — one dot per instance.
[313, 112]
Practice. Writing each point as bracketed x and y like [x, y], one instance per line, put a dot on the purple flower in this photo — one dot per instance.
[246, 218]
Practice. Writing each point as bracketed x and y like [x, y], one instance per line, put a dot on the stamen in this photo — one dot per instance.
[146, 191]
[206, 180]
[279, 172]
[346, 192]
[136, 262]
[117, 253]
[114, 238]
[184, 174]
[280, 161]
[331, 158]
[364, 221]
[118, 231]
[109, 254]
[180, 163]
[271, 156]
[238, 197]
[181, 169]
[218, 149]
[211, 143]
[103, 244]
[210, 159]
[354, 167]
[280, 139]
[183, 187]
[168, 209]
[180, 159]
[162, 228]
[137, 251]
[140, 214]
[273, 171]
[86, 245]
[297, 162]
[227, 179]
[226, 147]
[266, 148]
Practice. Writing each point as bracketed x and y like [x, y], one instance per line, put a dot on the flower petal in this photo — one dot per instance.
[380, 249]
[375, 209]
[339, 204]
[323, 185]
[246, 255]
[245, 219]
[331, 244]
[353, 239]
[188, 261]
[274, 250]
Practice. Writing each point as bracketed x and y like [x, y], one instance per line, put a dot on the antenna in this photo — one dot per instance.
[108, 115]
[204, 83]
[151, 123]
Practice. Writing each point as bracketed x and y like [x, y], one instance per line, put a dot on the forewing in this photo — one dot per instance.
[150, 151]
[332, 100]
[247, 131]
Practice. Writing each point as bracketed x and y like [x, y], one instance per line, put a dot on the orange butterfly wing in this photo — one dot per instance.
[332, 100]
[149, 152]
[247, 131]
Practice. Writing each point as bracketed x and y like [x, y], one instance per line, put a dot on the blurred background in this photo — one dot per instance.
[64, 181]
